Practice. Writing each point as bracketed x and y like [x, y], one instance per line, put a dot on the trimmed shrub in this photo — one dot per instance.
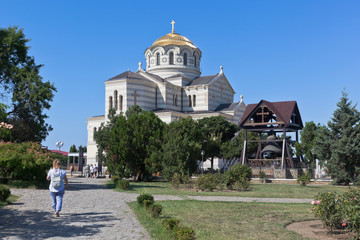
[304, 179]
[115, 179]
[148, 203]
[209, 182]
[4, 193]
[170, 223]
[262, 176]
[144, 196]
[184, 233]
[123, 184]
[176, 180]
[155, 210]
[238, 177]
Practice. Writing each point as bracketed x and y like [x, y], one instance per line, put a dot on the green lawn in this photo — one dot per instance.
[268, 190]
[227, 220]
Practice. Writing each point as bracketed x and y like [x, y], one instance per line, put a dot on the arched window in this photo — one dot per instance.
[121, 102]
[116, 99]
[189, 100]
[175, 100]
[195, 60]
[149, 61]
[171, 58]
[194, 100]
[185, 59]
[110, 102]
[94, 133]
[158, 59]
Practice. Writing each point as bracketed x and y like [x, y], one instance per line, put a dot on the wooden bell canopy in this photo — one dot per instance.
[268, 118]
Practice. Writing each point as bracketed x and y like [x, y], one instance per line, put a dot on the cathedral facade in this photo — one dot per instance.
[171, 86]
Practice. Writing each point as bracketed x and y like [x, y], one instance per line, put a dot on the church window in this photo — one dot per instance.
[175, 100]
[158, 59]
[116, 99]
[189, 100]
[149, 61]
[194, 60]
[194, 100]
[121, 102]
[110, 102]
[185, 59]
[171, 60]
[94, 133]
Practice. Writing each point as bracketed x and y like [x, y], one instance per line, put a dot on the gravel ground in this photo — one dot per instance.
[90, 211]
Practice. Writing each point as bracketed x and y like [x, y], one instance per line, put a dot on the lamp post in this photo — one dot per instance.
[202, 158]
[59, 144]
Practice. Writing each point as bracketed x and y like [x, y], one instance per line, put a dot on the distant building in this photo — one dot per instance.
[171, 86]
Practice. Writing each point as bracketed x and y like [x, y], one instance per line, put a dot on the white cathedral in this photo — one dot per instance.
[171, 86]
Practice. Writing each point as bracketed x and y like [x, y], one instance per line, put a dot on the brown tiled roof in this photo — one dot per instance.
[283, 110]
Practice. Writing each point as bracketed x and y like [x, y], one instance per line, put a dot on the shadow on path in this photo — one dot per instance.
[31, 224]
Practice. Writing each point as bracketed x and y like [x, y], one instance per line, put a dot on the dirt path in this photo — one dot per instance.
[315, 230]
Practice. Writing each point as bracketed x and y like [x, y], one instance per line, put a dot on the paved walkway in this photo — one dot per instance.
[90, 211]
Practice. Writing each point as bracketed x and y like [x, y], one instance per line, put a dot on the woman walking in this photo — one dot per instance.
[57, 188]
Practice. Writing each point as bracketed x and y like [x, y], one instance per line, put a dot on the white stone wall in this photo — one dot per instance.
[93, 122]
[201, 93]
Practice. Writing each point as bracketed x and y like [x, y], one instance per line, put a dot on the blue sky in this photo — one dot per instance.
[307, 51]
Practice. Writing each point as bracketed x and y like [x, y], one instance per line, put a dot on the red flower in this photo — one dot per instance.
[344, 224]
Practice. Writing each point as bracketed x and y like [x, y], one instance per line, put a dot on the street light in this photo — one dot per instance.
[59, 144]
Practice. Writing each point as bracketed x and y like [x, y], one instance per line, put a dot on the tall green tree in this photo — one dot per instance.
[339, 143]
[21, 83]
[182, 148]
[216, 130]
[307, 144]
[130, 141]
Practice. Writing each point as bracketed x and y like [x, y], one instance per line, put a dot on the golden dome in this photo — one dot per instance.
[173, 39]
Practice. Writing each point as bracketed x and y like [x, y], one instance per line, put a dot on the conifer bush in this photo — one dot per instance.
[148, 203]
[155, 210]
[184, 233]
[4, 193]
[115, 179]
[304, 179]
[144, 196]
[170, 223]
[123, 184]
[262, 176]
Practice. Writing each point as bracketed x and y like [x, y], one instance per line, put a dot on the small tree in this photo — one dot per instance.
[339, 143]
[307, 145]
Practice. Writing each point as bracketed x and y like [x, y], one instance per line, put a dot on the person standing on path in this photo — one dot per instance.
[57, 188]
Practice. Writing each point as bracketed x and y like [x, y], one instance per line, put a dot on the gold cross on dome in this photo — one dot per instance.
[172, 23]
